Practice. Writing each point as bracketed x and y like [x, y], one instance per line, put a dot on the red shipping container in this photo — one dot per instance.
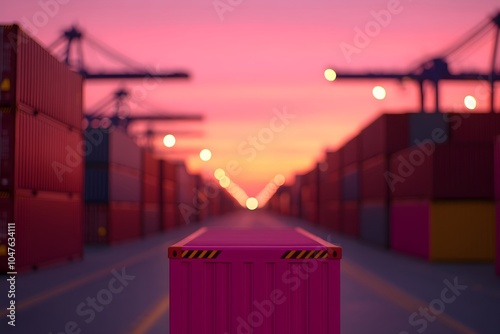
[497, 256]
[374, 184]
[385, 135]
[112, 222]
[267, 281]
[473, 128]
[48, 228]
[32, 76]
[284, 200]
[187, 204]
[309, 196]
[330, 214]
[497, 197]
[350, 152]
[295, 196]
[350, 218]
[38, 153]
[450, 171]
[150, 165]
[332, 160]
[497, 168]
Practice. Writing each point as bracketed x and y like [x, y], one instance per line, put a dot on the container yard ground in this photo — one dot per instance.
[124, 289]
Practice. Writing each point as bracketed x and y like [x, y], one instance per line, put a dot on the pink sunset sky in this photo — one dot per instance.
[254, 58]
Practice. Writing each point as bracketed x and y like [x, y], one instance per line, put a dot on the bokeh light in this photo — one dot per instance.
[252, 203]
[169, 140]
[219, 173]
[205, 154]
[379, 92]
[470, 102]
[330, 74]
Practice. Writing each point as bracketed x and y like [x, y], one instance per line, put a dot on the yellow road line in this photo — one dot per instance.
[51, 293]
[397, 296]
[153, 315]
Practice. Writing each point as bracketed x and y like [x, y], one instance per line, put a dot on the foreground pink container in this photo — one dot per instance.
[232, 281]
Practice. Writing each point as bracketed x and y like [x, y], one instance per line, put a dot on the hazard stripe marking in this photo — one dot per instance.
[305, 254]
[200, 254]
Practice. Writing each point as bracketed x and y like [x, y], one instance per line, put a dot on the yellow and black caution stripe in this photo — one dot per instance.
[305, 254]
[200, 254]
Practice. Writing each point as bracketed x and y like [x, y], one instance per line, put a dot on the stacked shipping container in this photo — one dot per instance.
[112, 186]
[151, 192]
[384, 136]
[350, 181]
[443, 191]
[329, 192]
[41, 167]
[497, 203]
[419, 183]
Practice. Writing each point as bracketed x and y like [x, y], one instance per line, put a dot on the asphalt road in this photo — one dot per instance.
[125, 289]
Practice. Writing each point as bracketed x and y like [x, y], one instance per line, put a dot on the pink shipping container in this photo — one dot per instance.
[113, 222]
[269, 281]
[385, 135]
[48, 228]
[458, 230]
[32, 76]
[39, 153]
[450, 171]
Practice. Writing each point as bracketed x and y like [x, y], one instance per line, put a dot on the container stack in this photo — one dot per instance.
[151, 192]
[187, 196]
[168, 194]
[329, 191]
[41, 163]
[309, 195]
[350, 181]
[384, 136]
[112, 186]
[443, 206]
[295, 199]
[497, 202]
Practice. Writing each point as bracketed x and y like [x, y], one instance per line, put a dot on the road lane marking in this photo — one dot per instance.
[397, 296]
[153, 315]
[54, 292]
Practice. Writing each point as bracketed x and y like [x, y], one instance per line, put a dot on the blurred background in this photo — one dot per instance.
[374, 124]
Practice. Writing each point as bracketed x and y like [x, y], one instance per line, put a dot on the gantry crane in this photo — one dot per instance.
[73, 37]
[437, 69]
[118, 100]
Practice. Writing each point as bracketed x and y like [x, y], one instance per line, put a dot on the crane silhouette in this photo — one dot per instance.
[437, 69]
[73, 37]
